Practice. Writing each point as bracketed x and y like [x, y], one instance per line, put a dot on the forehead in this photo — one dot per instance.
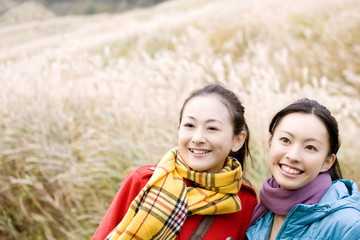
[303, 124]
[207, 106]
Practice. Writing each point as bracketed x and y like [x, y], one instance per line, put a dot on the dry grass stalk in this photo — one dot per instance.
[86, 99]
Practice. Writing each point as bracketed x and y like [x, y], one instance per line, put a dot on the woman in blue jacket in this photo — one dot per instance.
[306, 197]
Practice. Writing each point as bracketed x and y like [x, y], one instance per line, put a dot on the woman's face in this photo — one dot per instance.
[206, 134]
[298, 150]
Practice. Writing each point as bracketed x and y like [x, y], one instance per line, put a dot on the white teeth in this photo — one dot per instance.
[290, 170]
[199, 151]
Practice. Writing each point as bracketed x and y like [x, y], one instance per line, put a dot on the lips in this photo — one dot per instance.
[290, 170]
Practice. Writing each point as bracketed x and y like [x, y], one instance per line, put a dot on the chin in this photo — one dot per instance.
[198, 169]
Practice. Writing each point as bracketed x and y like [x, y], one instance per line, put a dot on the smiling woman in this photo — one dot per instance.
[306, 183]
[200, 177]
[299, 150]
[206, 137]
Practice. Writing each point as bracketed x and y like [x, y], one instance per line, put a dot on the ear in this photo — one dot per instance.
[238, 141]
[329, 161]
[269, 143]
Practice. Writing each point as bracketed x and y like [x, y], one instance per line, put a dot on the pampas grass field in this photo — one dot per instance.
[85, 99]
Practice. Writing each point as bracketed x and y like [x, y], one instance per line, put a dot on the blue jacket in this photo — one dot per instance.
[336, 216]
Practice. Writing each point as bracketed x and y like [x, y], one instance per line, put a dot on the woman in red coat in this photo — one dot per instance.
[198, 183]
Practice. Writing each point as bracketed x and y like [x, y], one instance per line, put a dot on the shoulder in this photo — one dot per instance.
[341, 224]
[138, 178]
[342, 191]
[346, 201]
[131, 186]
[342, 212]
[144, 172]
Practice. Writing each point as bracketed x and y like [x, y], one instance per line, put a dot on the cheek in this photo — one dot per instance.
[184, 138]
[315, 162]
[181, 135]
[270, 160]
[181, 140]
[272, 155]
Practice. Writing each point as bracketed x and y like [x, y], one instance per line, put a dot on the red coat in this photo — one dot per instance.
[227, 225]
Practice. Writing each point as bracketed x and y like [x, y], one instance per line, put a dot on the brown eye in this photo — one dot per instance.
[284, 140]
[310, 147]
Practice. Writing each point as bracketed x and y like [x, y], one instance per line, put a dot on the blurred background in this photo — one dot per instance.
[90, 90]
[82, 7]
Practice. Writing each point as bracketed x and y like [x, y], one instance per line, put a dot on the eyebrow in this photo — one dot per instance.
[207, 121]
[306, 140]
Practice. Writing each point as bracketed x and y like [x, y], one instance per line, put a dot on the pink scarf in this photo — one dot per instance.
[280, 201]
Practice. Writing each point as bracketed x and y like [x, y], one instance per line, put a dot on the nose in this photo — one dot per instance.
[293, 153]
[198, 137]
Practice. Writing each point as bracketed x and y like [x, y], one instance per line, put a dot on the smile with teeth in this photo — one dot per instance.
[290, 170]
[199, 151]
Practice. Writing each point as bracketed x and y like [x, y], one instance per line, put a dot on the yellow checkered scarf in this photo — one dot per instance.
[160, 209]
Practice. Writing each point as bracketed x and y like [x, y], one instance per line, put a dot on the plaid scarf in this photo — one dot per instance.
[160, 209]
